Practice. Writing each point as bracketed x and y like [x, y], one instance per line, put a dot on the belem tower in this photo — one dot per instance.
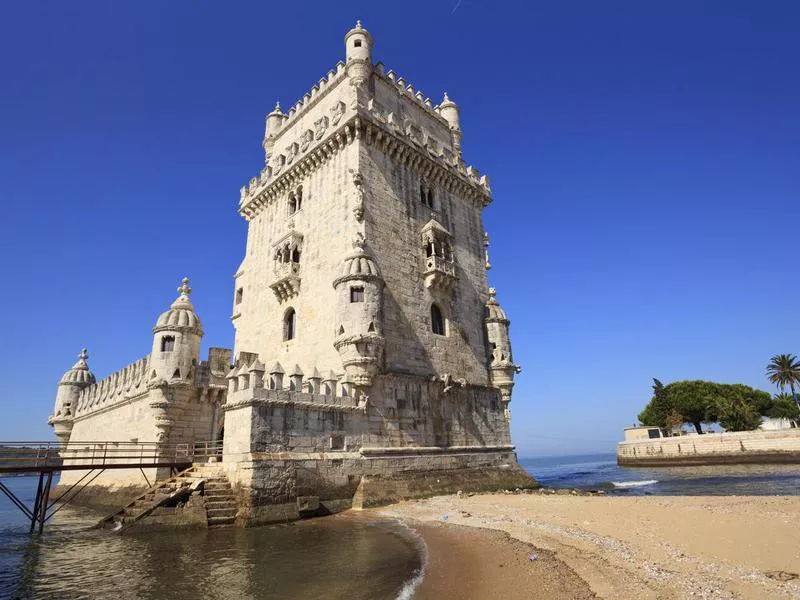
[371, 359]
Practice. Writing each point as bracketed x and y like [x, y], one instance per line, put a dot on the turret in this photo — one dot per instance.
[359, 297]
[67, 396]
[272, 127]
[358, 53]
[501, 364]
[176, 340]
[449, 111]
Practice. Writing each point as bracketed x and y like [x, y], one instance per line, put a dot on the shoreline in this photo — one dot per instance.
[659, 547]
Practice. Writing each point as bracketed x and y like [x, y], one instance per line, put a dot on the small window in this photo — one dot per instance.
[295, 255]
[289, 325]
[337, 442]
[239, 295]
[167, 343]
[357, 43]
[356, 294]
[292, 204]
[437, 320]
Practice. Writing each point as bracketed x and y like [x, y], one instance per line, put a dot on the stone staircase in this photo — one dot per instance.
[219, 499]
[205, 478]
[174, 489]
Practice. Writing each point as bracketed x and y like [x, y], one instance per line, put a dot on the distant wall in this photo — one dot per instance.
[713, 448]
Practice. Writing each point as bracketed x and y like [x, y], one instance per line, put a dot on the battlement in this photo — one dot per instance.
[309, 99]
[248, 397]
[405, 88]
[130, 381]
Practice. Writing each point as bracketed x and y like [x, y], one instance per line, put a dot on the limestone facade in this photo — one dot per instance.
[368, 345]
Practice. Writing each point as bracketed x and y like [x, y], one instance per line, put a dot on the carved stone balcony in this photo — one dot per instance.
[286, 283]
[440, 273]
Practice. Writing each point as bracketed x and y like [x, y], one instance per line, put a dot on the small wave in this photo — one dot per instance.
[627, 484]
[412, 583]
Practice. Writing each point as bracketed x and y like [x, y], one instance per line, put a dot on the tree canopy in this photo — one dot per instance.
[736, 407]
[784, 370]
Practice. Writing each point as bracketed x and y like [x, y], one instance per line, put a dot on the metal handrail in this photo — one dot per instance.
[18, 456]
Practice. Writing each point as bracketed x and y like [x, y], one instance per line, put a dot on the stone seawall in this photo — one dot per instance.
[713, 448]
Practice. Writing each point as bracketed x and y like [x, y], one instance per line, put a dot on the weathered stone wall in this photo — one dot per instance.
[327, 239]
[395, 217]
[713, 448]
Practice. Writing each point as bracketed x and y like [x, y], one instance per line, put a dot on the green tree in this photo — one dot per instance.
[735, 413]
[698, 402]
[784, 370]
[783, 407]
[656, 412]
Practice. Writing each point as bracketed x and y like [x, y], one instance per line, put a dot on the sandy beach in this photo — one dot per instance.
[660, 547]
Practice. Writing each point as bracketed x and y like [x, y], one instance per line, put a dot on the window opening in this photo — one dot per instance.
[289, 325]
[437, 320]
[239, 295]
[357, 43]
[356, 294]
[167, 343]
[295, 255]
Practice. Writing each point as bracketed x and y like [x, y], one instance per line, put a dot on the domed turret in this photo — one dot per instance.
[273, 125]
[176, 343]
[358, 53]
[501, 364]
[69, 390]
[449, 111]
[359, 337]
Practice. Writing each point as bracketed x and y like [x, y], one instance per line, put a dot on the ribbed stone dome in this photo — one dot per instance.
[181, 313]
[359, 265]
[493, 310]
[79, 374]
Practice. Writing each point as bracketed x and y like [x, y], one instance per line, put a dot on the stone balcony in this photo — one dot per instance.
[440, 273]
[286, 281]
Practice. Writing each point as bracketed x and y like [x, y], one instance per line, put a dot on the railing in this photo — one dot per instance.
[19, 457]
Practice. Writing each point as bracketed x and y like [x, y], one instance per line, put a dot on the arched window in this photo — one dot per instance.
[168, 343]
[292, 204]
[437, 320]
[289, 325]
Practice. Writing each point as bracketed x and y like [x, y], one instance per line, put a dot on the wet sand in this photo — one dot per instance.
[468, 563]
[660, 547]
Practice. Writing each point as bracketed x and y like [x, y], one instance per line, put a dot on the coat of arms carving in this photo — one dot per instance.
[320, 125]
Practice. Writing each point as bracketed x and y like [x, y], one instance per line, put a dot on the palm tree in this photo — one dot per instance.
[783, 370]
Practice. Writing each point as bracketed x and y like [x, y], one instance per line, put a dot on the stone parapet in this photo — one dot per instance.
[713, 448]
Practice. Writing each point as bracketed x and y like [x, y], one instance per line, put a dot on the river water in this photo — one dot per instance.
[347, 556]
[343, 556]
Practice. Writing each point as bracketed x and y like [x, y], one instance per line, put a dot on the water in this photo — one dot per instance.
[343, 556]
[600, 472]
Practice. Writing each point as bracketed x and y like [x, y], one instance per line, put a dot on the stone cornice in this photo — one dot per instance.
[392, 142]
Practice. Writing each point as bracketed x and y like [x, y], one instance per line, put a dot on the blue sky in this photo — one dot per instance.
[644, 157]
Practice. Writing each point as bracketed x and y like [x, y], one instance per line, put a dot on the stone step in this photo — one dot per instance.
[216, 521]
[221, 512]
[221, 503]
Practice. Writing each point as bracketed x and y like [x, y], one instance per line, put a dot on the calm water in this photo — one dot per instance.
[600, 471]
[323, 558]
[345, 556]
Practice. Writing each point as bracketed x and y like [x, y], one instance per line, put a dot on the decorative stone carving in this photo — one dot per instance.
[291, 152]
[320, 125]
[337, 110]
[306, 140]
[487, 264]
[358, 207]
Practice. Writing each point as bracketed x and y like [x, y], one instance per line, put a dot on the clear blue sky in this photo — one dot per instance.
[644, 157]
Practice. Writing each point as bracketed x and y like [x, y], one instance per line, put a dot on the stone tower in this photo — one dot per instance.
[364, 160]
[364, 286]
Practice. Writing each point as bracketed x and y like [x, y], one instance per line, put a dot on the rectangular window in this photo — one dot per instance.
[356, 294]
[239, 295]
